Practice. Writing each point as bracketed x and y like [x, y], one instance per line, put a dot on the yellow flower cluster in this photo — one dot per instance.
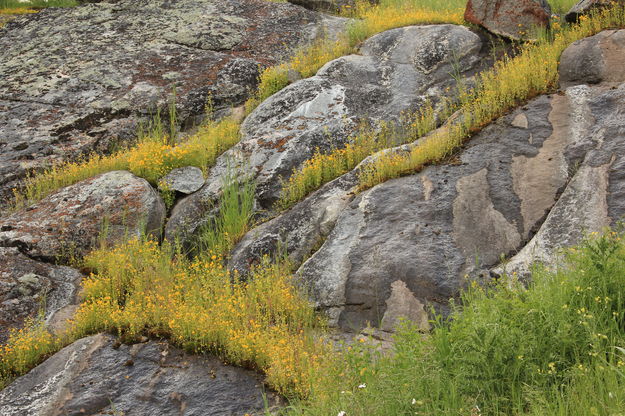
[263, 323]
[150, 159]
[24, 349]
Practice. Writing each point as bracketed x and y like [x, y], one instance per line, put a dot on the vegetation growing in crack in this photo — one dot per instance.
[140, 287]
[155, 155]
[512, 81]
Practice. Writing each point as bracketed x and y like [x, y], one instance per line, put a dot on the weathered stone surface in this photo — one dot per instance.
[397, 71]
[594, 198]
[77, 80]
[298, 231]
[70, 221]
[431, 229]
[184, 180]
[27, 285]
[403, 305]
[93, 377]
[594, 60]
[586, 6]
[546, 175]
[514, 19]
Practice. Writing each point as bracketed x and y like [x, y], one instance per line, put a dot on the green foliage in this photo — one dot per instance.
[555, 347]
[236, 207]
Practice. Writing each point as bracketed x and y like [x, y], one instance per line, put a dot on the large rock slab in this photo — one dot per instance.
[112, 206]
[397, 71]
[94, 376]
[77, 80]
[527, 185]
[27, 286]
[514, 19]
[584, 7]
[595, 196]
[594, 60]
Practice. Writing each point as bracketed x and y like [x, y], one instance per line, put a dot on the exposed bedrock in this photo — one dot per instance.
[77, 80]
[96, 376]
[430, 230]
[397, 71]
[529, 183]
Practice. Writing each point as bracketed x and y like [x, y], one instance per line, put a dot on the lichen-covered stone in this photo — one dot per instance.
[113, 206]
[27, 285]
[77, 79]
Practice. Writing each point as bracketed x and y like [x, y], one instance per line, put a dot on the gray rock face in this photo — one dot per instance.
[586, 6]
[593, 60]
[70, 221]
[27, 285]
[595, 196]
[77, 80]
[184, 180]
[299, 230]
[398, 71]
[430, 230]
[94, 377]
[531, 182]
[514, 19]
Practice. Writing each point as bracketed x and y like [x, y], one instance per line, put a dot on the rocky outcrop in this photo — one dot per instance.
[397, 72]
[531, 182]
[112, 206]
[77, 80]
[513, 19]
[27, 286]
[430, 230]
[97, 375]
[586, 6]
[594, 197]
